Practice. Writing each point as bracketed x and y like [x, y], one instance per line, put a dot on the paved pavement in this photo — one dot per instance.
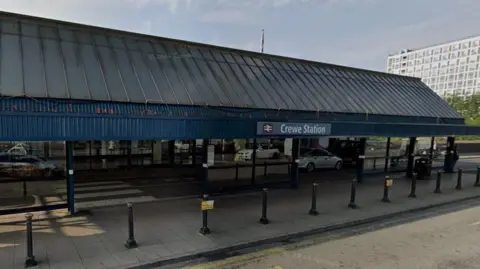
[446, 241]
[169, 229]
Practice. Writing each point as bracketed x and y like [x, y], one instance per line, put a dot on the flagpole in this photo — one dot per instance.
[263, 40]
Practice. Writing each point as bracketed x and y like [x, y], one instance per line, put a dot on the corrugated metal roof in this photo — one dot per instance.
[50, 59]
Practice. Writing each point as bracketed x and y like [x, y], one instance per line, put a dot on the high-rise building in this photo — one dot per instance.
[449, 69]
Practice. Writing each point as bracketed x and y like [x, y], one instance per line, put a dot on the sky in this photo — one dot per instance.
[358, 33]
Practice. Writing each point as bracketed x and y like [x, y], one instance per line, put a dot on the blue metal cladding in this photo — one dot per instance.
[51, 59]
[16, 126]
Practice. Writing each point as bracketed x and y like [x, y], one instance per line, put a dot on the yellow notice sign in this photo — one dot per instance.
[389, 182]
[207, 205]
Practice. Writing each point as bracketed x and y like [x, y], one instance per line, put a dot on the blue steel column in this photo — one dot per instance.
[171, 152]
[70, 178]
[194, 152]
[254, 161]
[205, 186]
[129, 154]
[448, 163]
[411, 155]
[432, 144]
[361, 160]
[387, 155]
[294, 181]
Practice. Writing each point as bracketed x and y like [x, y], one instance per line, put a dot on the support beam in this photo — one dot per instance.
[129, 155]
[294, 180]
[46, 149]
[194, 152]
[410, 156]
[448, 163]
[254, 161]
[432, 145]
[204, 180]
[171, 152]
[387, 155]
[361, 160]
[70, 178]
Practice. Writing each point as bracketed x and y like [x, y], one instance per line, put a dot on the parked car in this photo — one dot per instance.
[311, 159]
[14, 165]
[262, 153]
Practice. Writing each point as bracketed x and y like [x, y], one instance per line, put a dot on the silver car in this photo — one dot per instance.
[311, 159]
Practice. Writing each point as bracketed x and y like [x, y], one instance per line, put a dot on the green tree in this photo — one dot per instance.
[469, 108]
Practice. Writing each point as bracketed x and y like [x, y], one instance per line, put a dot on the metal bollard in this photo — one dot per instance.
[236, 171]
[264, 219]
[374, 164]
[265, 169]
[413, 188]
[353, 192]
[130, 243]
[385, 198]
[477, 178]
[205, 230]
[30, 260]
[459, 179]
[438, 184]
[313, 209]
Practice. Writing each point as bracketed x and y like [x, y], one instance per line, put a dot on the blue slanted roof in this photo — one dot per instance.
[58, 60]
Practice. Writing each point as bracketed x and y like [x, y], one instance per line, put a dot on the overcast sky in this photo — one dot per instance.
[358, 33]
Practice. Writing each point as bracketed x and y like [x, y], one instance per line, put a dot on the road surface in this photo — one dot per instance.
[441, 239]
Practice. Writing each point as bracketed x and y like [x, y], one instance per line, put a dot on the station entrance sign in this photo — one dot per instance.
[293, 128]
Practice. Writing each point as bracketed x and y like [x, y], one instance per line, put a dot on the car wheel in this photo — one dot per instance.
[310, 167]
[47, 173]
[338, 165]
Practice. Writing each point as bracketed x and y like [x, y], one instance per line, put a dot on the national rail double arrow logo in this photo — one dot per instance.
[267, 128]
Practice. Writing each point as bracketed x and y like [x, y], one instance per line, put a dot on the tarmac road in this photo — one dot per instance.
[447, 237]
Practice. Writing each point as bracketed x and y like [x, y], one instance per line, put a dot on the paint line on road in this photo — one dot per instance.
[114, 202]
[97, 188]
[106, 194]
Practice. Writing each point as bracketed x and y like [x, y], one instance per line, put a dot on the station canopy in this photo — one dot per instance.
[44, 59]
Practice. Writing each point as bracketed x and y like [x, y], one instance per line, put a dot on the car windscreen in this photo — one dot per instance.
[304, 152]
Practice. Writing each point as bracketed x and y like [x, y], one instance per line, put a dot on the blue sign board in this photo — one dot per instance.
[293, 128]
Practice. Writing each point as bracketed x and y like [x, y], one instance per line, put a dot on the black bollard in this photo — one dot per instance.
[477, 178]
[130, 243]
[30, 260]
[459, 179]
[413, 188]
[236, 171]
[374, 164]
[438, 184]
[265, 169]
[353, 191]
[313, 209]
[264, 219]
[205, 230]
[386, 187]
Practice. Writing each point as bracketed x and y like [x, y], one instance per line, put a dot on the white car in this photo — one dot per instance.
[246, 154]
[311, 159]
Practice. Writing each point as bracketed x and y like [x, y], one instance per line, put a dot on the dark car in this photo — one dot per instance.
[21, 166]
